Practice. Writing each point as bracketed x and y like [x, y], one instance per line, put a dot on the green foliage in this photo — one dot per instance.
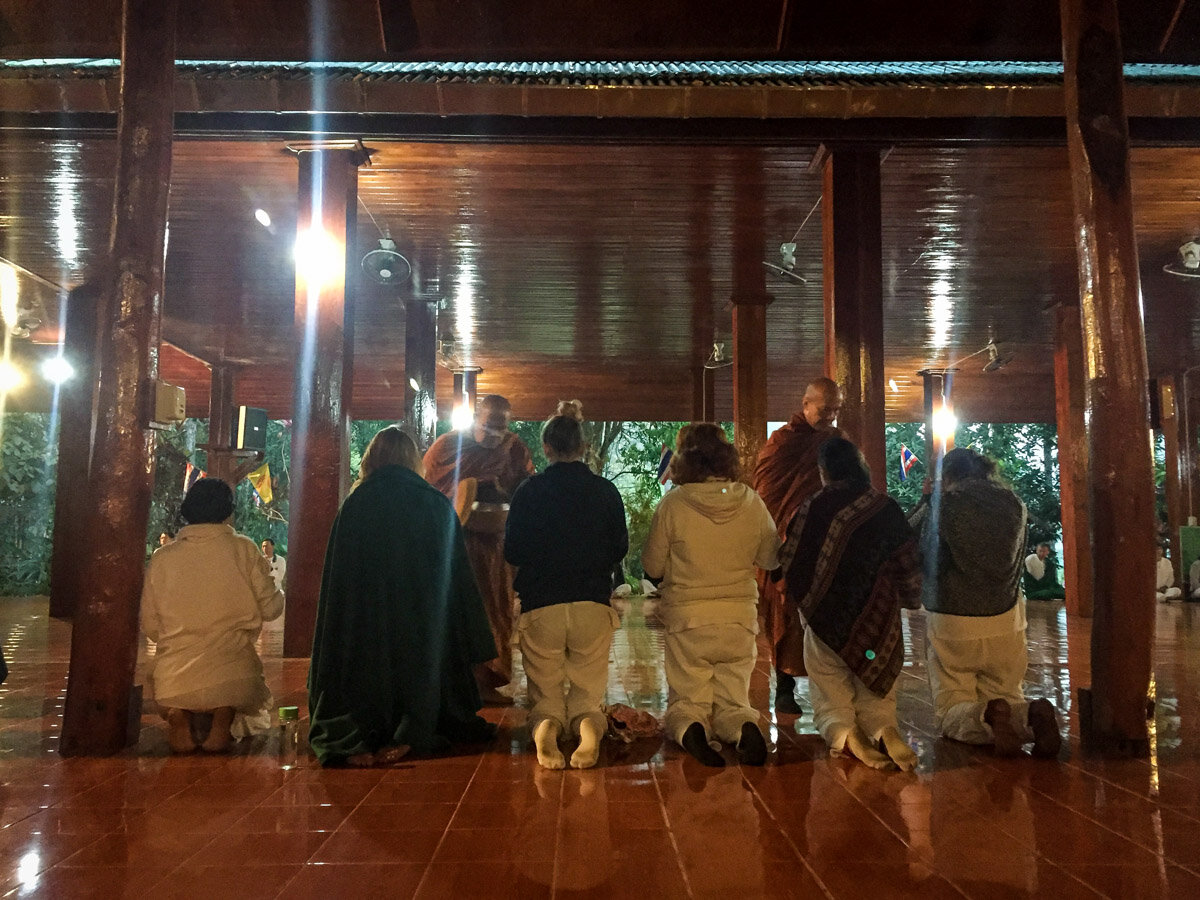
[28, 459]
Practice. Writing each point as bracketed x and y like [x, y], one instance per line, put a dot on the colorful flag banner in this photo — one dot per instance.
[260, 480]
[664, 465]
[192, 474]
[908, 459]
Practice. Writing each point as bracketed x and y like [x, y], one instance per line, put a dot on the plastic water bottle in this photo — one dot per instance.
[289, 737]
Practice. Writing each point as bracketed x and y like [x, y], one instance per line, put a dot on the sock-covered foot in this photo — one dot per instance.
[785, 694]
[219, 737]
[1043, 722]
[1006, 740]
[695, 742]
[902, 754]
[179, 731]
[545, 741]
[588, 751]
[752, 746]
[858, 744]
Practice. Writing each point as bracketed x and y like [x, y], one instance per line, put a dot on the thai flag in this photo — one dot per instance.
[192, 474]
[908, 459]
[664, 465]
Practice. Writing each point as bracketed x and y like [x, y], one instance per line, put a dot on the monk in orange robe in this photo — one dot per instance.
[499, 461]
[786, 476]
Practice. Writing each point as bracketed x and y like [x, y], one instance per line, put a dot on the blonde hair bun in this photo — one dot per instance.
[572, 408]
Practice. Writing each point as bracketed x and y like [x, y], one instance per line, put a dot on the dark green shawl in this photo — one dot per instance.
[850, 564]
[399, 625]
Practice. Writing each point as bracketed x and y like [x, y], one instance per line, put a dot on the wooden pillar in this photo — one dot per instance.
[1113, 711]
[324, 343]
[420, 369]
[853, 276]
[1170, 422]
[105, 632]
[1073, 461]
[221, 462]
[1189, 448]
[700, 286]
[76, 423]
[749, 301]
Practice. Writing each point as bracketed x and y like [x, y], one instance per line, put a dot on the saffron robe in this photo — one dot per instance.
[785, 476]
[400, 625]
[453, 457]
[850, 563]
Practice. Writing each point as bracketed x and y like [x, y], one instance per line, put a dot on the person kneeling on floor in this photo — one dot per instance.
[850, 564]
[204, 601]
[706, 538]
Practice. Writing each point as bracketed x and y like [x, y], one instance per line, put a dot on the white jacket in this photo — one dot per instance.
[204, 601]
[705, 542]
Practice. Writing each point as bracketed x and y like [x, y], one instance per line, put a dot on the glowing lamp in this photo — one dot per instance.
[11, 377]
[56, 370]
[461, 418]
[945, 423]
[412, 383]
[320, 258]
[263, 217]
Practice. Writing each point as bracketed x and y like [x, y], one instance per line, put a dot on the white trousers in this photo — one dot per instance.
[708, 680]
[564, 649]
[965, 675]
[839, 698]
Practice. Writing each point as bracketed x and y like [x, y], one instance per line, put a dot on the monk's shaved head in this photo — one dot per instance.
[492, 416]
[822, 402]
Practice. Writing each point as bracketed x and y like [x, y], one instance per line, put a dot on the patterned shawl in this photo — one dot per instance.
[850, 563]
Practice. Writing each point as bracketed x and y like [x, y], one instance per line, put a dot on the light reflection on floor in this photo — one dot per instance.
[648, 822]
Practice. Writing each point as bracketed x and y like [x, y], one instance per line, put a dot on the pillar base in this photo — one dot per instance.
[1108, 745]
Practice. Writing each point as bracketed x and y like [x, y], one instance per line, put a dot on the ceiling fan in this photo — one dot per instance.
[1188, 264]
[718, 358]
[384, 265]
[786, 266]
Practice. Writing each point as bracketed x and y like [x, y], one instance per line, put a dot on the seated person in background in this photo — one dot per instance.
[850, 565]
[277, 563]
[1040, 579]
[204, 601]
[1166, 578]
[1194, 580]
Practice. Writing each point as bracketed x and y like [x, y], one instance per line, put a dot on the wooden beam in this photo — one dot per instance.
[1170, 421]
[1113, 711]
[104, 638]
[852, 233]
[221, 462]
[324, 341]
[1078, 577]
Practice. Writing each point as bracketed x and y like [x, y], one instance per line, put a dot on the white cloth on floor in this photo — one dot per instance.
[965, 675]
[205, 598]
[840, 700]
[567, 643]
[708, 679]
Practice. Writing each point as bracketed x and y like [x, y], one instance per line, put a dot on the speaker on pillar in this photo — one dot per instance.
[249, 428]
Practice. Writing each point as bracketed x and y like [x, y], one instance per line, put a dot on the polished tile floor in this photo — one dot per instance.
[646, 823]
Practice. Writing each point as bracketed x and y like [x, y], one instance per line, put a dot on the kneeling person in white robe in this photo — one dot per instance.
[1165, 573]
[204, 601]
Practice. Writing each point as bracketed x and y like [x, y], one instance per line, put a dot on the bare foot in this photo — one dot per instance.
[361, 760]
[219, 739]
[1006, 741]
[179, 731]
[858, 744]
[389, 756]
[545, 740]
[588, 751]
[902, 754]
[1043, 721]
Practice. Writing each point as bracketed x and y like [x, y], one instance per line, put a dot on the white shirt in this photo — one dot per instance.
[278, 569]
[1035, 566]
[1194, 576]
[1166, 574]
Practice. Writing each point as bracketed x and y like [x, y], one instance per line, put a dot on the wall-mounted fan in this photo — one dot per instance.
[1188, 264]
[786, 266]
[384, 265]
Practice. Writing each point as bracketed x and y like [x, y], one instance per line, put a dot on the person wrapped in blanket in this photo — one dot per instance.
[850, 564]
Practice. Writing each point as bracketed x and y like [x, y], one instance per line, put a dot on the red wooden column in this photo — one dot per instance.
[700, 286]
[750, 300]
[220, 423]
[1113, 711]
[853, 274]
[72, 489]
[420, 370]
[1073, 461]
[105, 632]
[1171, 422]
[324, 344]
[703, 399]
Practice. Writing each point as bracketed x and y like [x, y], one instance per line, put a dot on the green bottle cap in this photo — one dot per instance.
[289, 713]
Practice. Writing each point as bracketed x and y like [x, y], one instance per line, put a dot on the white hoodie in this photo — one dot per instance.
[705, 541]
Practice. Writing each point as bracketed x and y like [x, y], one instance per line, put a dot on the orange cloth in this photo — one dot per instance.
[785, 476]
[451, 458]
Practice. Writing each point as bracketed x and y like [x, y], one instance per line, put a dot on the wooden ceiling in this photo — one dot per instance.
[604, 272]
[1152, 30]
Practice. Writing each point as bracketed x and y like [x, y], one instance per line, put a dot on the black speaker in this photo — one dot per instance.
[249, 428]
